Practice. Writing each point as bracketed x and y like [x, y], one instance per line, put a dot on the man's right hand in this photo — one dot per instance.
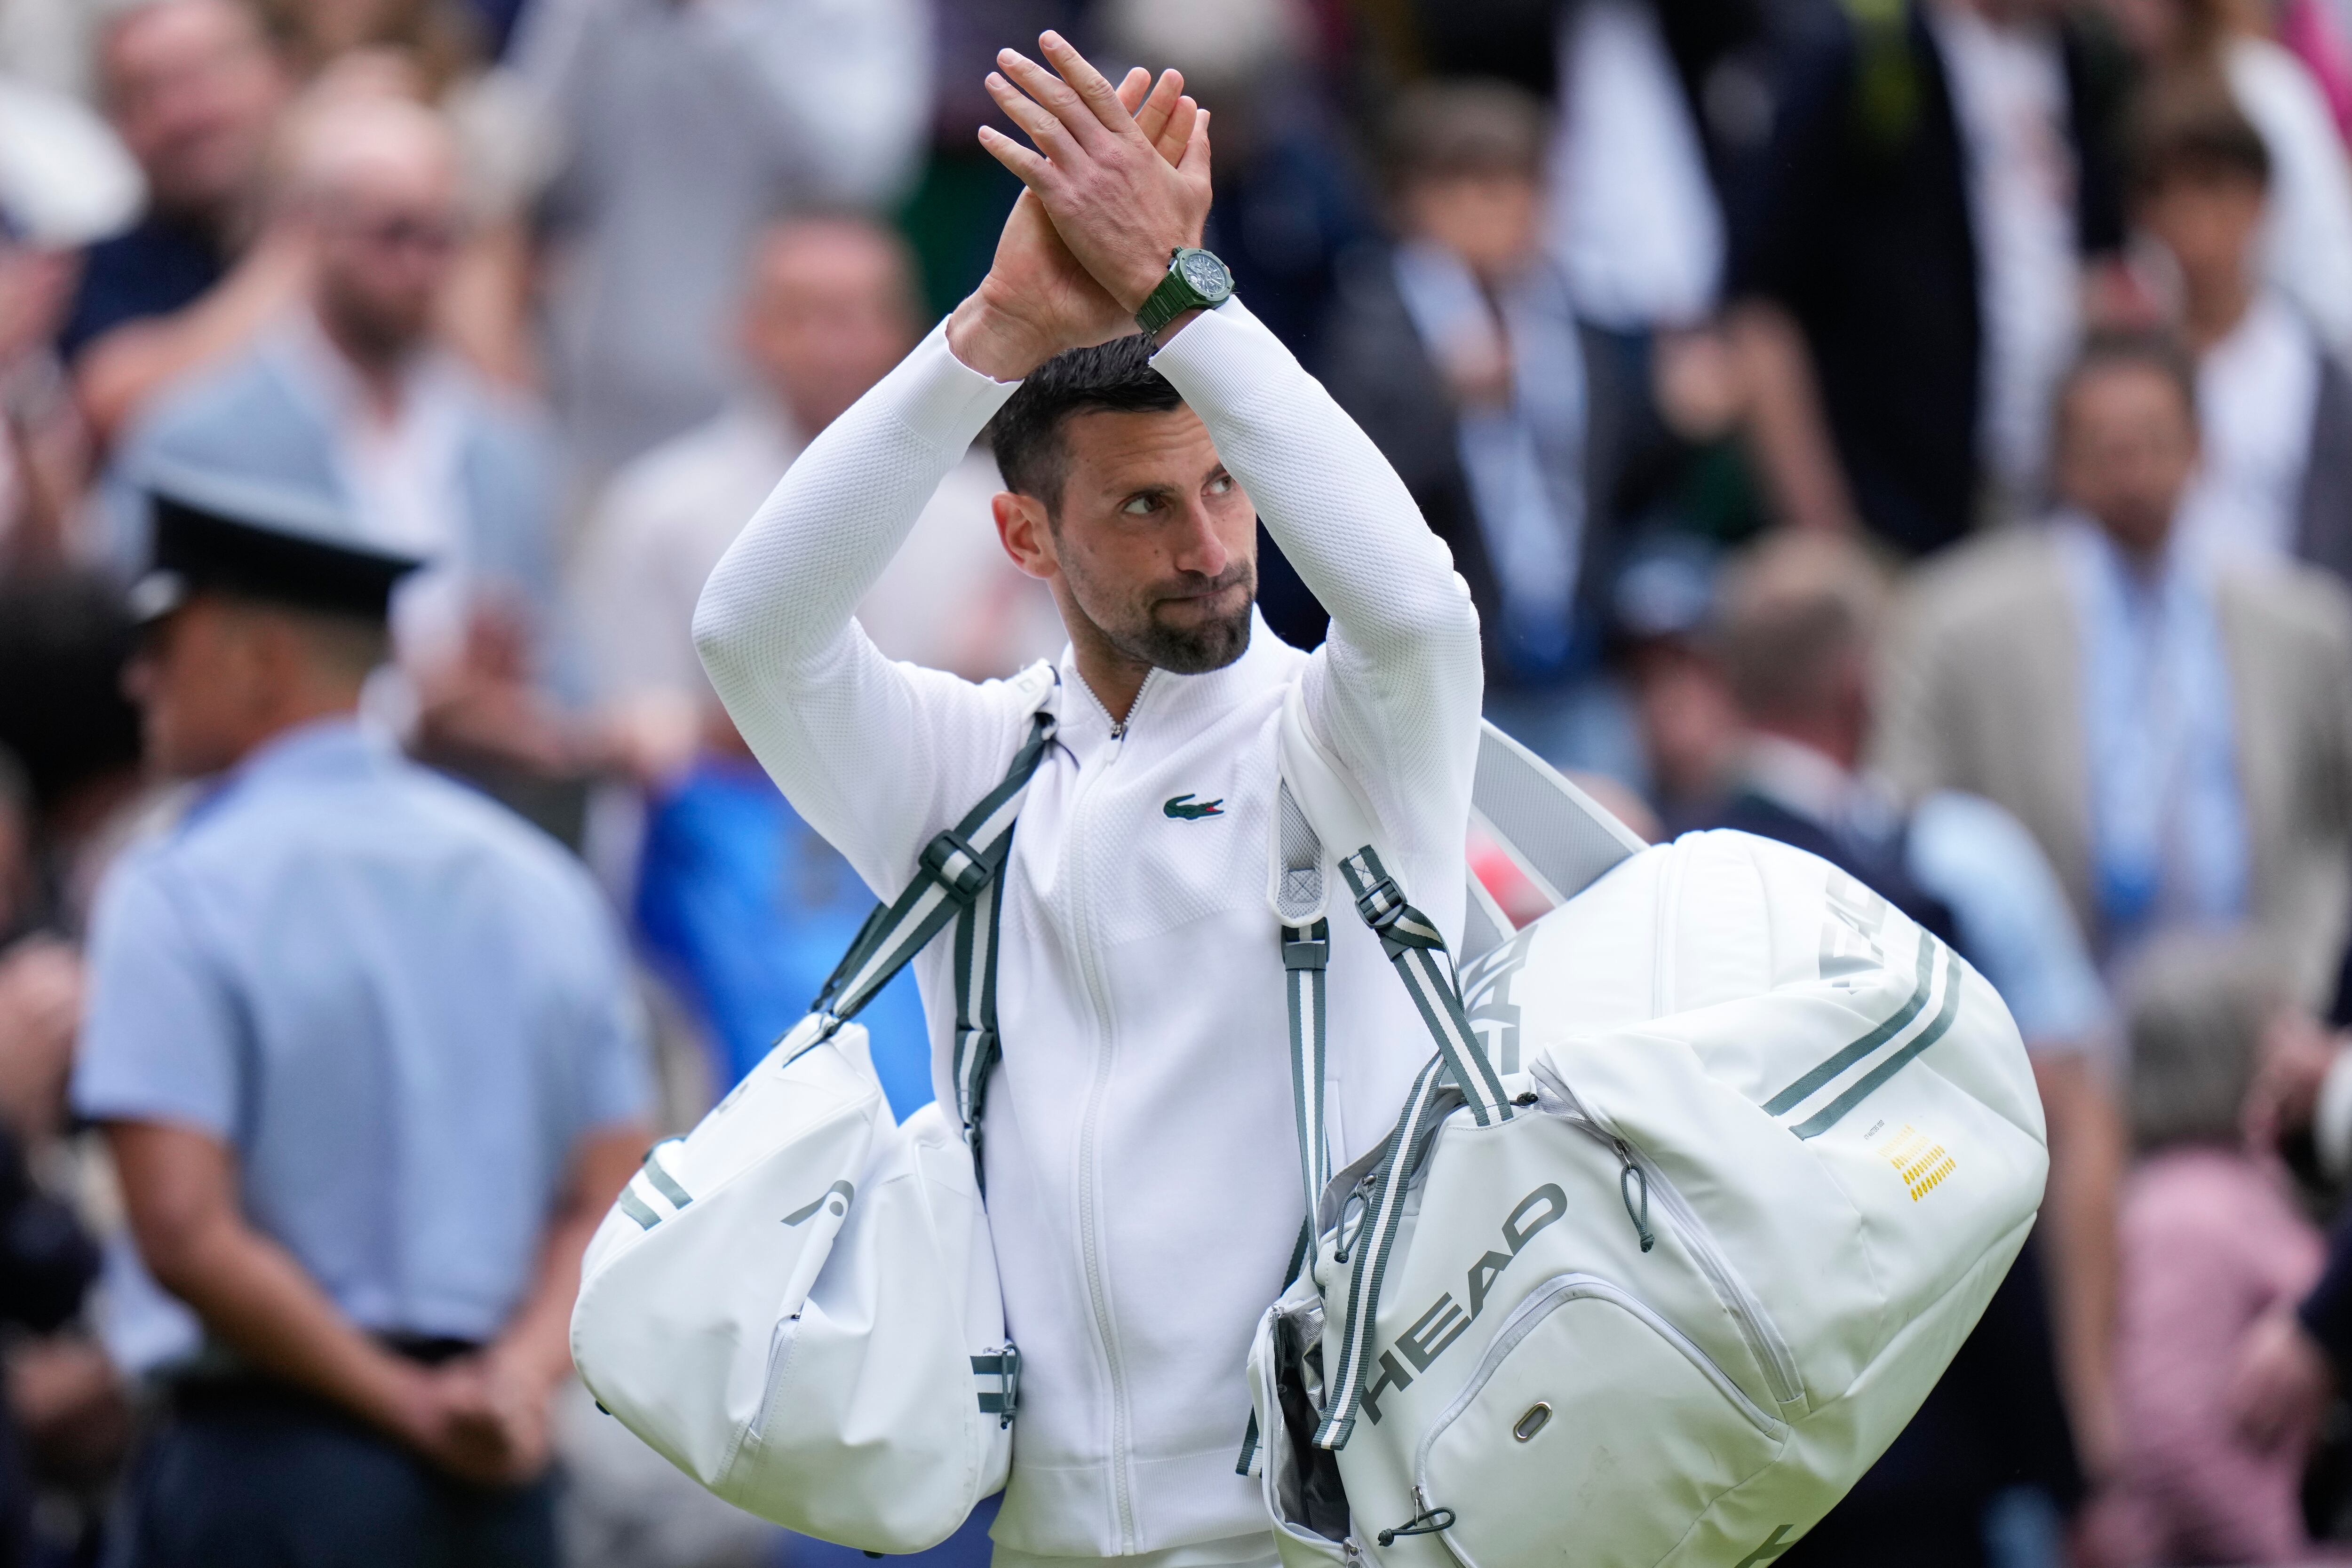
[1038, 300]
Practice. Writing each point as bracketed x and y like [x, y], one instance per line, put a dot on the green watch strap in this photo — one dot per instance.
[1179, 292]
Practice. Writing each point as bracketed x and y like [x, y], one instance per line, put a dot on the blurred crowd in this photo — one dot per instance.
[1918, 430]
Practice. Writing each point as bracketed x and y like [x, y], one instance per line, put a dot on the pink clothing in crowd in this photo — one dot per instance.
[2210, 1241]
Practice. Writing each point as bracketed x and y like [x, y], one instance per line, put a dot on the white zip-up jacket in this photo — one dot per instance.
[1142, 1168]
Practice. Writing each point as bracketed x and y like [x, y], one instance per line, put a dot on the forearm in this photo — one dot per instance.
[254, 1297]
[782, 595]
[2079, 1214]
[1787, 430]
[535, 1344]
[1396, 693]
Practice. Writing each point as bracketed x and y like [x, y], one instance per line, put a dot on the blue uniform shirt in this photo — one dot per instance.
[400, 1006]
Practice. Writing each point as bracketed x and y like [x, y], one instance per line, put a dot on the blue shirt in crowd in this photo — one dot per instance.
[400, 1006]
[156, 268]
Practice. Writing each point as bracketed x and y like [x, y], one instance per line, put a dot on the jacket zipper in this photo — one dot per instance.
[1090, 1227]
[1755, 1325]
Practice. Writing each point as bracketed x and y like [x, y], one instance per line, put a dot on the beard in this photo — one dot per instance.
[1144, 631]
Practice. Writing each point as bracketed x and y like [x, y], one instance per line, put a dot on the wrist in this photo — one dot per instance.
[999, 345]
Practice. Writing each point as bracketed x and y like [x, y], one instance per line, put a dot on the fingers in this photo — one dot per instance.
[1077, 124]
[1131, 88]
[1195, 161]
[1152, 118]
[1177, 135]
[1044, 128]
[1087, 82]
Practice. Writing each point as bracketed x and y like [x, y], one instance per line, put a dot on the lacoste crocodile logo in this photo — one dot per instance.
[1185, 810]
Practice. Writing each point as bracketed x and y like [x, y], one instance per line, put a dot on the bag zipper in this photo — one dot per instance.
[1548, 1299]
[1755, 1323]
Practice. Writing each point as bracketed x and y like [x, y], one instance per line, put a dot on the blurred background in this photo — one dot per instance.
[1920, 430]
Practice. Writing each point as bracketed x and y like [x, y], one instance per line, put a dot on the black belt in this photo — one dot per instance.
[221, 1389]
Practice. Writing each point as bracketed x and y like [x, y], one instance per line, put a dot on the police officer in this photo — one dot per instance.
[365, 1050]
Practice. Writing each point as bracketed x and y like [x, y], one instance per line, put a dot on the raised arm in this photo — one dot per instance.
[878, 755]
[1396, 692]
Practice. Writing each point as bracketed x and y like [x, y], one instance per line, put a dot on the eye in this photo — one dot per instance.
[1141, 505]
[1222, 485]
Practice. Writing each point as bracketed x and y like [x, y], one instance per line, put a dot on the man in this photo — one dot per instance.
[1511, 422]
[195, 91]
[2177, 737]
[351, 393]
[366, 1053]
[2274, 406]
[1140, 1135]
[1800, 616]
[1910, 258]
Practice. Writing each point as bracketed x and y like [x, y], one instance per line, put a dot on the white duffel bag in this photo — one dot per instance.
[797, 1303]
[1710, 1178]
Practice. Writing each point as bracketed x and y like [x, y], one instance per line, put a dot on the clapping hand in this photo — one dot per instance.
[1122, 179]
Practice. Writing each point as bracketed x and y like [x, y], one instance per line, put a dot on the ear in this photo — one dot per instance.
[1027, 537]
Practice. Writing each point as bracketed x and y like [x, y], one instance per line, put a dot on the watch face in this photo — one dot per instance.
[1206, 275]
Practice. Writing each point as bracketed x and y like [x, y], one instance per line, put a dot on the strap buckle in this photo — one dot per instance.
[952, 862]
[1381, 903]
[1307, 953]
[1003, 1364]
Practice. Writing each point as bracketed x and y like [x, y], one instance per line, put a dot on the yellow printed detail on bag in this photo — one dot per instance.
[1922, 1162]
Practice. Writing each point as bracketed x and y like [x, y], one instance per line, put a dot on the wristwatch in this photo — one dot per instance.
[1196, 280]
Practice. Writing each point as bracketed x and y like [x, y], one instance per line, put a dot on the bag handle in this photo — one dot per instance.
[955, 869]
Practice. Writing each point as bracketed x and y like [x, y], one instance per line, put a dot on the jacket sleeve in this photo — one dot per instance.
[876, 756]
[1395, 689]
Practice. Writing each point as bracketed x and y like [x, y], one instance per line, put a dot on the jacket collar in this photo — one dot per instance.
[1170, 706]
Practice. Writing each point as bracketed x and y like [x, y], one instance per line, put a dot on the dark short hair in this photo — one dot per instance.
[1462, 128]
[2102, 351]
[2194, 133]
[1116, 377]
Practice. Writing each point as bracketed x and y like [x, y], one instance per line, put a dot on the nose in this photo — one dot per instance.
[1199, 550]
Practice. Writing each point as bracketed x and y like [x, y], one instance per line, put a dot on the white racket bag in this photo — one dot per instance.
[796, 1304]
[1717, 1166]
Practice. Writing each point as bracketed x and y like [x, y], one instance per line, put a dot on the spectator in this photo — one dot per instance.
[351, 393]
[2306, 242]
[64, 183]
[195, 90]
[2176, 735]
[1912, 258]
[827, 310]
[1459, 352]
[368, 1059]
[1800, 618]
[685, 128]
[2274, 405]
[2211, 1242]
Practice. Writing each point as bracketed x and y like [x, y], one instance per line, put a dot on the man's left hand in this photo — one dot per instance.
[2281, 1382]
[1117, 204]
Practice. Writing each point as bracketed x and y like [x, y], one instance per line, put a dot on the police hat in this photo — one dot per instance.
[261, 542]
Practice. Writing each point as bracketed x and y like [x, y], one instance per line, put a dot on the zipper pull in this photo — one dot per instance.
[1119, 730]
[1628, 1178]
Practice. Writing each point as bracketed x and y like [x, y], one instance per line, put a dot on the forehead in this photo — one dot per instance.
[1117, 454]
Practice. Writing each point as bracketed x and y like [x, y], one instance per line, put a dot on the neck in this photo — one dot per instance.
[2214, 307]
[324, 700]
[1115, 678]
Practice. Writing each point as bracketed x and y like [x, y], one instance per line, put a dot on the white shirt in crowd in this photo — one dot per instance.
[404, 477]
[2307, 234]
[951, 599]
[2257, 389]
[2009, 95]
